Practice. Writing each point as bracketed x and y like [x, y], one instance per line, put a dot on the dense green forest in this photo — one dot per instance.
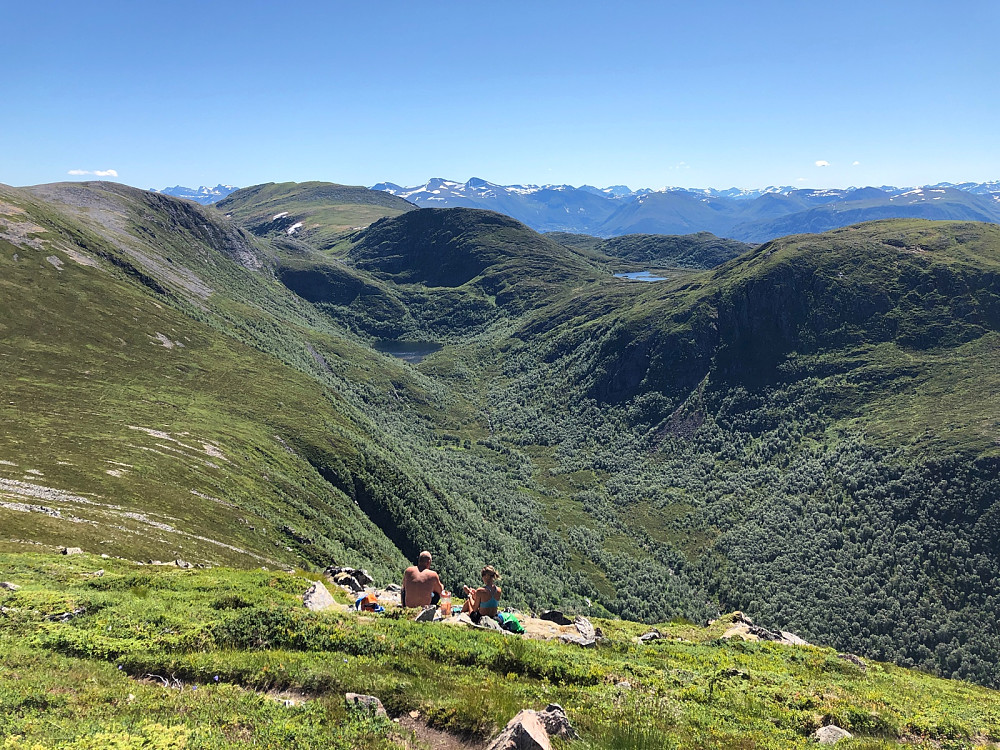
[807, 432]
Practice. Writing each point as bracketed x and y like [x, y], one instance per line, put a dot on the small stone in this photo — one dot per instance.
[623, 685]
[9, 586]
[366, 702]
[853, 659]
[71, 550]
[414, 714]
[831, 734]
[98, 573]
[182, 564]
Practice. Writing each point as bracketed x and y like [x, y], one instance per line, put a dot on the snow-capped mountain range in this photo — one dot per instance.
[748, 215]
[204, 195]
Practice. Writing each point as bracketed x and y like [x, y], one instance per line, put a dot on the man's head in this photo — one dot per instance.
[424, 560]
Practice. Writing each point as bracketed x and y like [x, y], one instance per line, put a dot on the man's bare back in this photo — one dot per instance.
[420, 582]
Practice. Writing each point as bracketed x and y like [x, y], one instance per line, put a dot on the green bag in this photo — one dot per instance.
[510, 622]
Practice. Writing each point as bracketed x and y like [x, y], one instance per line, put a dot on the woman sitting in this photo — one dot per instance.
[484, 601]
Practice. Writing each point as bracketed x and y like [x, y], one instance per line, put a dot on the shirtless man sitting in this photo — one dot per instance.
[420, 583]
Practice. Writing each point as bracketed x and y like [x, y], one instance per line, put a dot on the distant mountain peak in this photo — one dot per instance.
[204, 195]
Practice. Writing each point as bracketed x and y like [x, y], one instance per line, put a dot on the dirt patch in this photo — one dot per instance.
[418, 736]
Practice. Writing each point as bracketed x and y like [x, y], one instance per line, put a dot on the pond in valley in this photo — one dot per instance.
[640, 276]
[410, 351]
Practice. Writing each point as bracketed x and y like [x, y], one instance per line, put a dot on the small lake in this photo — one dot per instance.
[410, 351]
[640, 276]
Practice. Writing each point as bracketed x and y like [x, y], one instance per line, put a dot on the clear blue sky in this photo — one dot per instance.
[695, 94]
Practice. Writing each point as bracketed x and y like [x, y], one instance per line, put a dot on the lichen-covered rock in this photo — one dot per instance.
[557, 723]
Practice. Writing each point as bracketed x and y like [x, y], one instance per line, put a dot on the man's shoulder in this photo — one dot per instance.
[410, 571]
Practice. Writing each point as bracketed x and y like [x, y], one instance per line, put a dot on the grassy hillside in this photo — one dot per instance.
[316, 213]
[699, 250]
[159, 657]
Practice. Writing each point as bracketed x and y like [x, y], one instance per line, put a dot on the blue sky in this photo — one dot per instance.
[647, 94]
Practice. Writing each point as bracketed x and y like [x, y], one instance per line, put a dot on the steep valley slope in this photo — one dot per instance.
[807, 432]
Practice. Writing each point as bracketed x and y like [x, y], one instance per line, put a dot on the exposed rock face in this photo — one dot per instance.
[830, 735]
[526, 731]
[365, 703]
[361, 578]
[318, 598]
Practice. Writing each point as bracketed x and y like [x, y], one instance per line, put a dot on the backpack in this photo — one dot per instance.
[510, 622]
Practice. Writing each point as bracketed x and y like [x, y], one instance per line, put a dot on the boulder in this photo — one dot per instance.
[652, 635]
[831, 734]
[318, 598]
[71, 550]
[393, 588]
[557, 723]
[363, 577]
[365, 703]
[347, 581]
[488, 623]
[554, 615]
[524, 732]
[8, 586]
[183, 564]
[585, 628]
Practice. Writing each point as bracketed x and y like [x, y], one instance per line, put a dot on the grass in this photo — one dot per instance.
[162, 657]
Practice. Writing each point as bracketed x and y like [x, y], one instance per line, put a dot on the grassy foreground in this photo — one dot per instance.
[159, 657]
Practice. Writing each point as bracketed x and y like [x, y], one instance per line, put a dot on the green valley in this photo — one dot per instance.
[806, 430]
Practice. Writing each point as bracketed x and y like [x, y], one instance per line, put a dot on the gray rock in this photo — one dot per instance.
[557, 723]
[585, 628]
[318, 598]
[793, 640]
[623, 685]
[579, 640]
[182, 564]
[9, 586]
[524, 732]
[394, 588]
[829, 735]
[365, 703]
[554, 615]
[71, 550]
[363, 577]
[652, 635]
[98, 573]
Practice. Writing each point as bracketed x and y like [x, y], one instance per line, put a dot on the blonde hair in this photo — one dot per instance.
[492, 571]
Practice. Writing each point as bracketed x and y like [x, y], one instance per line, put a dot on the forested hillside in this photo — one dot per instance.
[808, 431]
